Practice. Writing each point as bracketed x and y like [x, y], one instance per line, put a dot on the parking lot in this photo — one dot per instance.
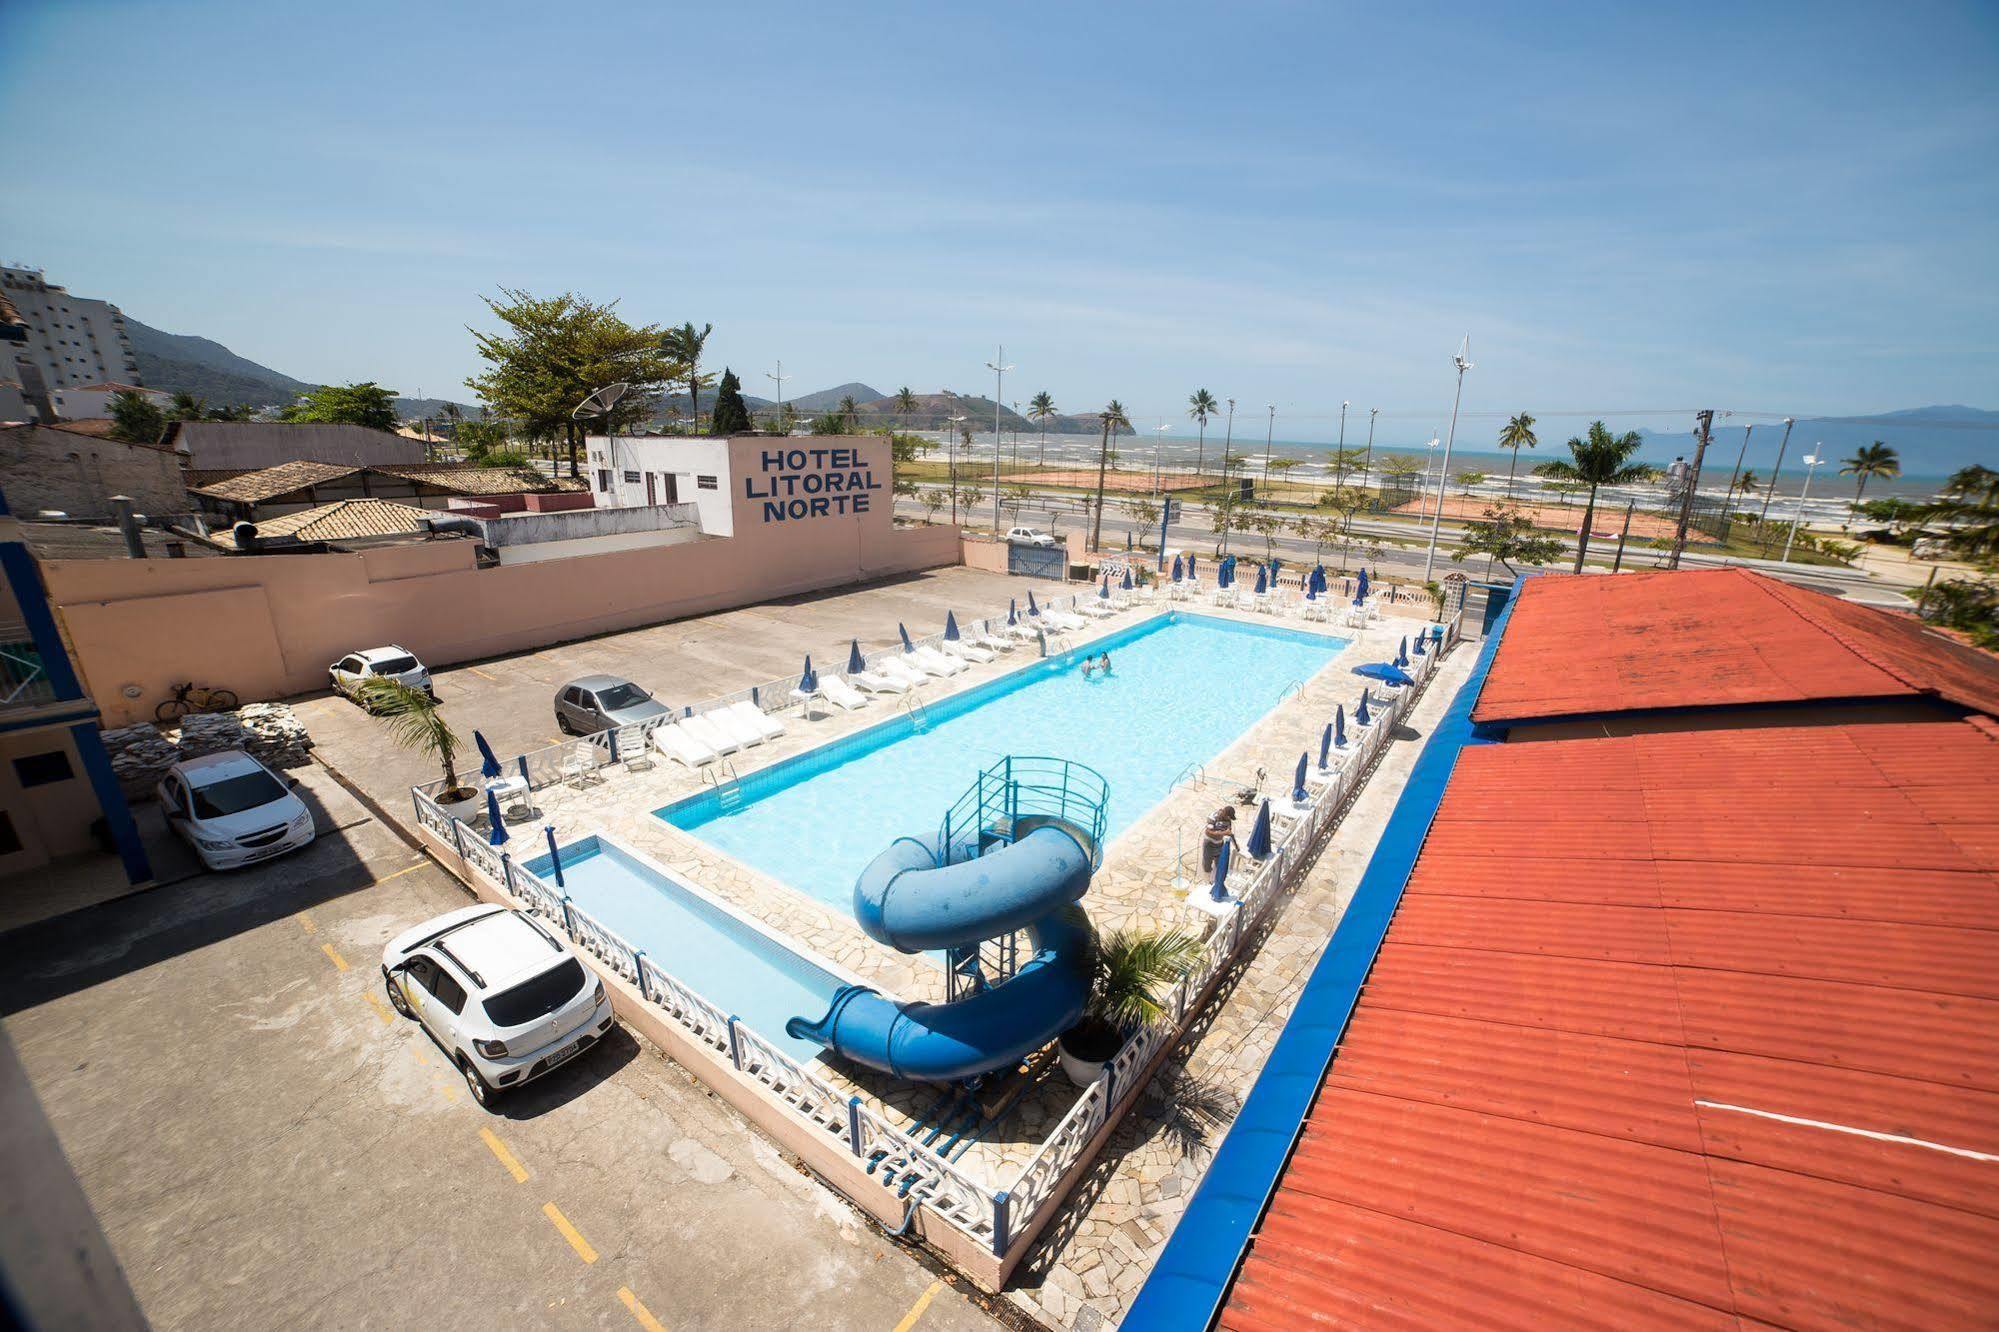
[266, 1145]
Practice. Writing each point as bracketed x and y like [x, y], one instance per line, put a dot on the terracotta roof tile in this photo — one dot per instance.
[1591, 645]
[346, 520]
[270, 482]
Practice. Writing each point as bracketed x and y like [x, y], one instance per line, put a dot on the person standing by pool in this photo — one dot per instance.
[1220, 831]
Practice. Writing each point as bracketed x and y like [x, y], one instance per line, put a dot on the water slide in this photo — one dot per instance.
[915, 896]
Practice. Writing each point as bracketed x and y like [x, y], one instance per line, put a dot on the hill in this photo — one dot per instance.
[826, 400]
[1933, 441]
[207, 369]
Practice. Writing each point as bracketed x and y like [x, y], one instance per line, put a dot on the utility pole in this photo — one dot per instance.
[1618, 563]
[1740, 454]
[999, 368]
[778, 377]
[1437, 519]
[1775, 468]
[1705, 422]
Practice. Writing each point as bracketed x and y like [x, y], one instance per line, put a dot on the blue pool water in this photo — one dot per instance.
[729, 963]
[1182, 689]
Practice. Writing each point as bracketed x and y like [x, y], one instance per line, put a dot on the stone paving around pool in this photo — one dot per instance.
[1090, 1257]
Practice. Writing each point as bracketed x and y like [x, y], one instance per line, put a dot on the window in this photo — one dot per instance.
[624, 695]
[539, 997]
[573, 696]
[233, 795]
[706, 483]
[351, 665]
[423, 971]
[42, 769]
[631, 478]
[604, 480]
[448, 991]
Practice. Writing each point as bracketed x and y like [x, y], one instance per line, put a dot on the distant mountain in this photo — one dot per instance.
[1932, 441]
[207, 369]
[826, 400]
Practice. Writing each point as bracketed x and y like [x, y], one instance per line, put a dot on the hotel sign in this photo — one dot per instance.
[792, 484]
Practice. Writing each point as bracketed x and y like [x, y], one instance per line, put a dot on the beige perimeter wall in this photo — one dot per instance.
[267, 626]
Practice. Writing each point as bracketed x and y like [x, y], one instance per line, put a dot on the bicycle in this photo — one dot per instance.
[190, 698]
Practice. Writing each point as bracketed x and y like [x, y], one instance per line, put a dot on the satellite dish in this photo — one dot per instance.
[602, 402]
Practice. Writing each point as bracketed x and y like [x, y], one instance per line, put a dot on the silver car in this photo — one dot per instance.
[599, 702]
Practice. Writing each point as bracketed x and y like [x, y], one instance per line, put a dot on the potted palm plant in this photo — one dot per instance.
[413, 721]
[1130, 974]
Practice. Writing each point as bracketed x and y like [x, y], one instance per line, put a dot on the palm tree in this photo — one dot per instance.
[1041, 407]
[1519, 431]
[1201, 405]
[1745, 483]
[1869, 461]
[1114, 418]
[684, 345]
[850, 411]
[905, 401]
[414, 723]
[1602, 459]
[186, 407]
[1970, 504]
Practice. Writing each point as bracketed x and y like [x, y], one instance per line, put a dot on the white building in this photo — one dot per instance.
[633, 470]
[89, 402]
[72, 340]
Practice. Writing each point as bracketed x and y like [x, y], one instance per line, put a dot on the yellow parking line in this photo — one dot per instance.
[305, 920]
[481, 674]
[381, 1009]
[639, 1311]
[337, 960]
[507, 1158]
[408, 869]
[916, 1309]
[569, 1232]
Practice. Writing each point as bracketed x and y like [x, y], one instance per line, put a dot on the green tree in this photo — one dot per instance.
[1145, 513]
[1266, 523]
[1284, 467]
[933, 500]
[732, 415]
[1509, 536]
[1470, 478]
[553, 352]
[1869, 461]
[135, 418]
[1400, 468]
[1343, 463]
[1519, 434]
[1968, 605]
[850, 411]
[186, 407]
[1745, 483]
[1114, 419]
[367, 404]
[1597, 460]
[1042, 406]
[684, 345]
[413, 721]
[1201, 405]
[1969, 505]
[905, 401]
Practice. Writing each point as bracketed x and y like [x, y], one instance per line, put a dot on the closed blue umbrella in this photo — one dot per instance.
[856, 663]
[950, 626]
[1261, 583]
[1326, 747]
[1012, 616]
[1276, 567]
[1032, 609]
[1360, 713]
[1104, 592]
[808, 683]
[1127, 538]
[1220, 891]
[1419, 643]
[1361, 585]
[907, 646]
[1340, 725]
[1298, 792]
[1126, 585]
[1177, 574]
[1259, 836]
[1190, 566]
[554, 858]
[1222, 574]
[1402, 652]
[496, 832]
[489, 766]
[1311, 590]
[1319, 577]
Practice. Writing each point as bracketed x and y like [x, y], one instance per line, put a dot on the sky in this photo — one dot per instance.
[1629, 208]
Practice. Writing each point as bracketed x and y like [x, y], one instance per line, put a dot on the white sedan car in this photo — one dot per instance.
[499, 992]
[1029, 536]
[383, 663]
[232, 809]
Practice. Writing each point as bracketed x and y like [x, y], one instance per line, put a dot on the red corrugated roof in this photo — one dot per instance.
[1589, 645]
[1636, 994]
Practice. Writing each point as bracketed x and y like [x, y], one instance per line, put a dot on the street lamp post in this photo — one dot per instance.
[1269, 429]
[1158, 447]
[951, 424]
[999, 368]
[1228, 440]
[1437, 519]
[1367, 467]
[778, 377]
[1775, 468]
[1812, 460]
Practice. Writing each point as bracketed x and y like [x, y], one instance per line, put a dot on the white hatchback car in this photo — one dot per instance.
[232, 809]
[1029, 536]
[383, 663]
[503, 996]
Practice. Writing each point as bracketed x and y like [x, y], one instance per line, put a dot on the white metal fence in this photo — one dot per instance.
[913, 1173]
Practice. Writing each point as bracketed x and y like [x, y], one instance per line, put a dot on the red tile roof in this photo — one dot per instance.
[1670, 1030]
[1591, 645]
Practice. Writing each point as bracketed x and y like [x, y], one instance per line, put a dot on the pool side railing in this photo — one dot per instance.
[902, 1174]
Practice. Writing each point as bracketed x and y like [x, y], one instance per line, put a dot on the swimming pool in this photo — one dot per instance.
[1181, 690]
[720, 955]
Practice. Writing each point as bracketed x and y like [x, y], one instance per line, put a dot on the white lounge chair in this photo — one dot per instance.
[968, 651]
[681, 747]
[841, 694]
[875, 682]
[751, 715]
[1022, 631]
[935, 662]
[1096, 608]
[1063, 621]
[991, 641]
[705, 729]
[896, 667]
[728, 723]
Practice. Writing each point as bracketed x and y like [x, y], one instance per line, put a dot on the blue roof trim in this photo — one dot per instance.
[1191, 1279]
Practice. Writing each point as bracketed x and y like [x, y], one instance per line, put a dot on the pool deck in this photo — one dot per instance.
[1144, 880]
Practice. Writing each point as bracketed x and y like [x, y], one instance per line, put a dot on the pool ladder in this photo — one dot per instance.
[917, 713]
